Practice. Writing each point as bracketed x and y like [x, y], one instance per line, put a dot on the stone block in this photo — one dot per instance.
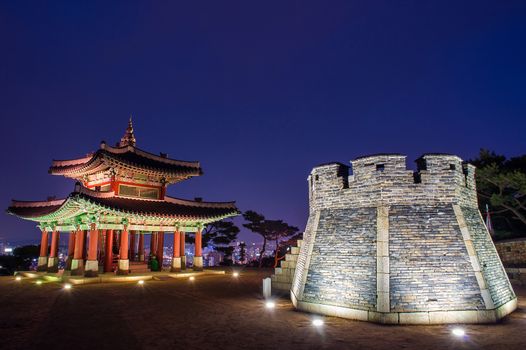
[414, 318]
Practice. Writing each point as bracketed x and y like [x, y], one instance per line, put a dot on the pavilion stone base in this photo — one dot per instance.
[176, 265]
[198, 263]
[124, 267]
[77, 267]
[415, 318]
[52, 264]
[141, 257]
[92, 268]
[42, 264]
[183, 262]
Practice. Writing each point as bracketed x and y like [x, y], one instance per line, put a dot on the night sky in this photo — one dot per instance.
[259, 92]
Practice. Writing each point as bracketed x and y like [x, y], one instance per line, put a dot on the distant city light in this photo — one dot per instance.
[39, 282]
[191, 278]
[18, 278]
[459, 332]
[317, 322]
[8, 250]
[235, 274]
[67, 286]
[141, 282]
[270, 304]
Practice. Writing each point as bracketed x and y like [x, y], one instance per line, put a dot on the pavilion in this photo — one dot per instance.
[119, 198]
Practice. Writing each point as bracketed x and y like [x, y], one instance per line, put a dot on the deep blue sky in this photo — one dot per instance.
[259, 92]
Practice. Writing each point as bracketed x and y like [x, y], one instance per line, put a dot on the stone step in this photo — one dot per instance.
[291, 257]
[294, 250]
[278, 271]
[287, 271]
[286, 264]
[281, 286]
[299, 243]
[282, 278]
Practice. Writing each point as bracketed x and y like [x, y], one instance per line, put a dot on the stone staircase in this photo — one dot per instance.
[283, 275]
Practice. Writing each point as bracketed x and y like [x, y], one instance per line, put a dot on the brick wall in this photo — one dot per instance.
[342, 269]
[429, 264]
[512, 252]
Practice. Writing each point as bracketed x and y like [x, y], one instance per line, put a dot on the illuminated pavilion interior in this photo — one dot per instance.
[119, 198]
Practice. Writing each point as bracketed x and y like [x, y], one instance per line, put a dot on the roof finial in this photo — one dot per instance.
[129, 138]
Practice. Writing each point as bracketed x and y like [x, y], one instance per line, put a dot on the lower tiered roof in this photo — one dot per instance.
[84, 206]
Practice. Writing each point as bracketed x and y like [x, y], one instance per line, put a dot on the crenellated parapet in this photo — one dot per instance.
[385, 180]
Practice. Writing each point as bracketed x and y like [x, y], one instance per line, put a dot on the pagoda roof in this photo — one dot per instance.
[127, 157]
[84, 203]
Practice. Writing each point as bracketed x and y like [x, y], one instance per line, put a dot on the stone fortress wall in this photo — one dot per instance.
[390, 245]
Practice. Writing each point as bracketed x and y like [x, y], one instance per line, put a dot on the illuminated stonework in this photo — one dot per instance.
[390, 245]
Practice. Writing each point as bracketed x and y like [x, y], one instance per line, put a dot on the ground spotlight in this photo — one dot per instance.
[235, 274]
[140, 282]
[459, 332]
[39, 282]
[270, 304]
[317, 322]
[18, 278]
[67, 286]
[191, 278]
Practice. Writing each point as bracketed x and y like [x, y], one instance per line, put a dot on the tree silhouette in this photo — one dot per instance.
[501, 183]
[219, 234]
[269, 230]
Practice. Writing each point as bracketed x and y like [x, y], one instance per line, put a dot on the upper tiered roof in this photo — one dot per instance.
[126, 157]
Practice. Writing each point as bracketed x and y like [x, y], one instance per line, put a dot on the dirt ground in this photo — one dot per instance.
[211, 312]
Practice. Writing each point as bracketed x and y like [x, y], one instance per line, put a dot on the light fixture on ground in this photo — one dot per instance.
[270, 304]
[18, 278]
[235, 274]
[191, 278]
[67, 286]
[317, 322]
[459, 332]
[39, 282]
[140, 282]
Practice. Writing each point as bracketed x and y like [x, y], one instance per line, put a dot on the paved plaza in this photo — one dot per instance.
[210, 312]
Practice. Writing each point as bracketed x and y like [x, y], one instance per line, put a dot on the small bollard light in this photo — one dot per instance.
[270, 304]
[39, 282]
[191, 278]
[235, 274]
[67, 286]
[18, 278]
[140, 282]
[459, 332]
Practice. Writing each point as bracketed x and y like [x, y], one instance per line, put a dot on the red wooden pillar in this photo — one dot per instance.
[153, 244]
[92, 264]
[77, 264]
[141, 246]
[71, 249]
[198, 251]
[102, 235]
[132, 245]
[176, 259]
[52, 265]
[183, 251]
[108, 254]
[42, 257]
[124, 263]
[160, 249]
